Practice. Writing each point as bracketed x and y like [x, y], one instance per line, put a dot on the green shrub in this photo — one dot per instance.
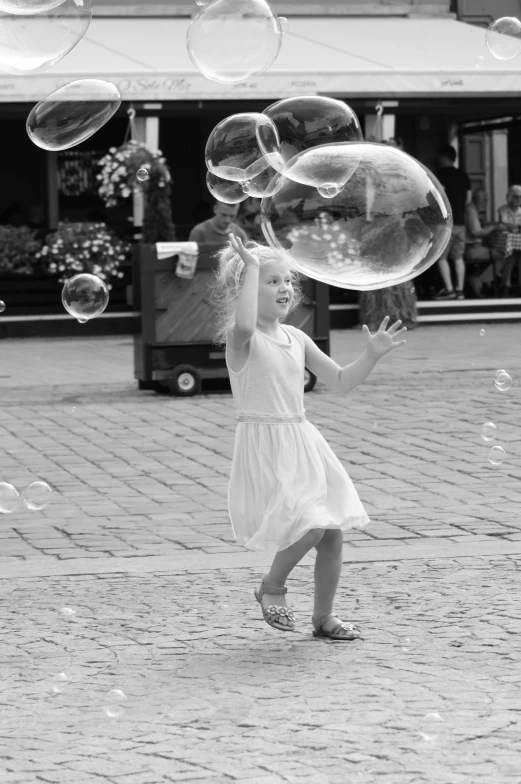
[19, 249]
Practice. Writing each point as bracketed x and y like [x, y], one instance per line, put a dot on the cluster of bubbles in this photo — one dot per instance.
[502, 382]
[35, 497]
[115, 700]
[230, 41]
[85, 296]
[35, 35]
[346, 212]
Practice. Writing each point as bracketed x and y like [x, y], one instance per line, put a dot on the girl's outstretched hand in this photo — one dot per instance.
[248, 258]
[383, 341]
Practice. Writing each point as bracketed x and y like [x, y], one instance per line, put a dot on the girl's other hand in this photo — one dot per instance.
[249, 259]
[383, 341]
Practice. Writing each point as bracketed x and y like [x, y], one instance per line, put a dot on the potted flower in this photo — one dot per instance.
[133, 167]
[85, 247]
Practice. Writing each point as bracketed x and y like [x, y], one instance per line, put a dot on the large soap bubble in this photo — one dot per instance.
[390, 222]
[293, 125]
[232, 151]
[31, 43]
[503, 38]
[232, 40]
[72, 113]
[85, 296]
[27, 7]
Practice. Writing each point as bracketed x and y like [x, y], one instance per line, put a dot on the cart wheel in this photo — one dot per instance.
[309, 380]
[185, 381]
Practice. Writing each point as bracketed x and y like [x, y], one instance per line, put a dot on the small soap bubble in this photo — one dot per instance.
[496, 455]
[72, 114]
[68, 612]
[202, 2]
[503, 381]
[2, 306]
[480, 61]
[481, 333]
[406, 644]
[37, 495]
[488, 431]
[142, 175]
[503, 38]
[227, 191]
[231, 40]
[329, 190]
[59, 681]
[85, 296]
[36, 41]
[432, 727]
[378, 231]
[9, 498]
[115, 704]
[283, 24]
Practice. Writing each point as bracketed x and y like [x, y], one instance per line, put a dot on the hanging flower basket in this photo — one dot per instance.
[119, 169]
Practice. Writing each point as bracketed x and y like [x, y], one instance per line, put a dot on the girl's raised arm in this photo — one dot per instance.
[246, 312]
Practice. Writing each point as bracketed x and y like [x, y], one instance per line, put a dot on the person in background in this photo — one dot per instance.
[476, 252]
[216, 230]
[457, 188]
[510, 220]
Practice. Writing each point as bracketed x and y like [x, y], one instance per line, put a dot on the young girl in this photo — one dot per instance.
[288, 491]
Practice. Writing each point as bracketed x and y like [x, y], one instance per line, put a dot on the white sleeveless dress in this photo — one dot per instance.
[285, 479]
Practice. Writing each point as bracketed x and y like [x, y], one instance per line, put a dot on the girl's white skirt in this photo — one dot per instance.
[285, 480]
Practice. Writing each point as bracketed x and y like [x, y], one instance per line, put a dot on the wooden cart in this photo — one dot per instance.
[173, 349]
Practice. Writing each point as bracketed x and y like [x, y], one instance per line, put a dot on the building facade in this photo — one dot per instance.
[413, 60]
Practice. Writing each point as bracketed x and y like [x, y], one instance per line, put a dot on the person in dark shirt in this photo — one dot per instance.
[216, 229]
[458, 191]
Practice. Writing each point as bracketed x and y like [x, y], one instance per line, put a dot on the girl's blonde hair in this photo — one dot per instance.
[227, 283]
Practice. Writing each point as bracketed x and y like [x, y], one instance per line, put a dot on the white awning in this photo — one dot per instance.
[366, 57]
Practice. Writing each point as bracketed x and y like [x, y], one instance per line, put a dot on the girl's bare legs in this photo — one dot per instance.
[284, 562]
[328, 566]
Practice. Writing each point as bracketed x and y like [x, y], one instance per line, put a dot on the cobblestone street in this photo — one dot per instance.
[133, 650]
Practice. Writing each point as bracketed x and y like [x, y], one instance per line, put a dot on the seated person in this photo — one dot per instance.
[216, 229]
[510, 213]
[510, 220]
[477, 252]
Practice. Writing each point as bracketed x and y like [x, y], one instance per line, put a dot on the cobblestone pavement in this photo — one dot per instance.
[130, 582]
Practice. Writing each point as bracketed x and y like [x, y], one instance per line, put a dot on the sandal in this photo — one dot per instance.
[333, 634]
[273, 610]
